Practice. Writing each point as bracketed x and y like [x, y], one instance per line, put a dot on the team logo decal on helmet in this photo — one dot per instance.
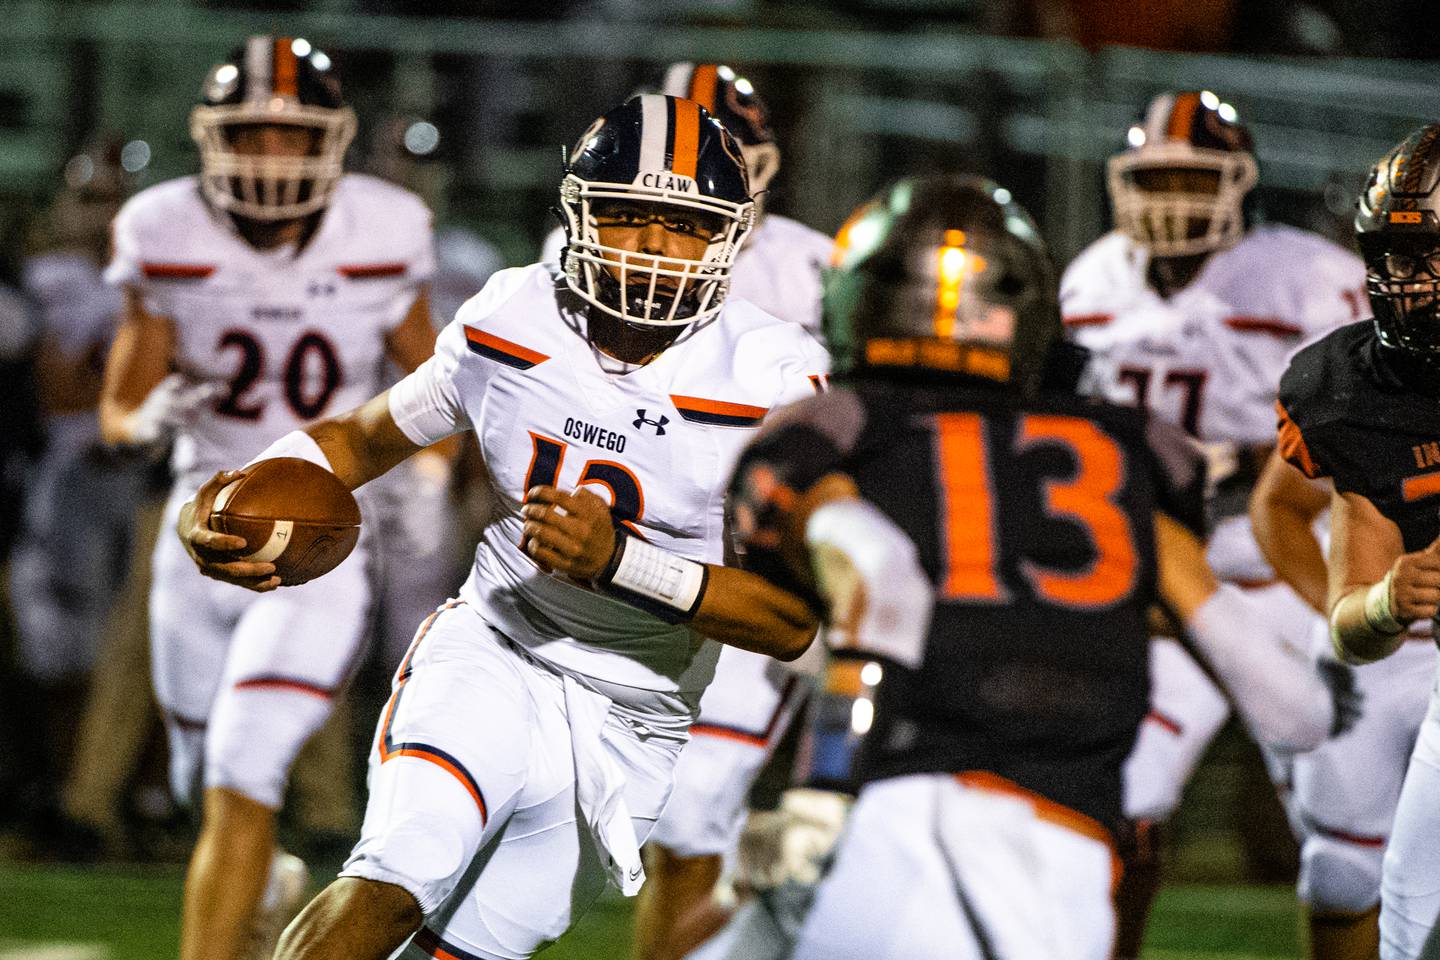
[281, 81]
[1398, 228]
[671, 153]
[946, 274]
[1179, 189]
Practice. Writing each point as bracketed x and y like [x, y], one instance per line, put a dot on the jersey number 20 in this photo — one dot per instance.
[1085, 499]
[307, 400]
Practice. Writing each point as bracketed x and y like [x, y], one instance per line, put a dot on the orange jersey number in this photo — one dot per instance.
[1087, 499]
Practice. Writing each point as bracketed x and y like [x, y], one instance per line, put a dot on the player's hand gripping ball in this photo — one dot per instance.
[279, 522]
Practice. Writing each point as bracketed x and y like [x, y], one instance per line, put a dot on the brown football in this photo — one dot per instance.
[292, 513]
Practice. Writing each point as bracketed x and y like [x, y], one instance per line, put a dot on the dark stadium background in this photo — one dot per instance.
[1035, 93]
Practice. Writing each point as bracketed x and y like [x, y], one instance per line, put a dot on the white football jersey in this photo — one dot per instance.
[657, 442]
[1209, 358]
[293, 336]
[778, 269]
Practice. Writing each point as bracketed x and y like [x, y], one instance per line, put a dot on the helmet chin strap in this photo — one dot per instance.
[626, 346]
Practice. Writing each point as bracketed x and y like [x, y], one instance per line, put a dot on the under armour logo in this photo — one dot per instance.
[659, 425]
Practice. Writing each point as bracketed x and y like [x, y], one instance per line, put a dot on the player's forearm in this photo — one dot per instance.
[1283, 510]
[1363, 626]
[116, 422]
[362, 444]
[747, 611]
[1288, 543]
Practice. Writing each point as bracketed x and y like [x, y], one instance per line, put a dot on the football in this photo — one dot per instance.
[292, 513]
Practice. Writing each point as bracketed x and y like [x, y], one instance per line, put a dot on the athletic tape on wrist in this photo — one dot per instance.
[1379, 614]
[655, 579]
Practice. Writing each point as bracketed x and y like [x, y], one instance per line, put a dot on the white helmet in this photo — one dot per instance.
[1161, 208]
[281, 81]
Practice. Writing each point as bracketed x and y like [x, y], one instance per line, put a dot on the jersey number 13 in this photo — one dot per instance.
[1085, 499]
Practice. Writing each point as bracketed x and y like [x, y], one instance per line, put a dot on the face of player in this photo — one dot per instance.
[1198, 182]
[273, 140]
[674, 234]
[1411, 272]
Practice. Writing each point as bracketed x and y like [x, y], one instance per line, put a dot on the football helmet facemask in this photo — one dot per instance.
[271, 81]
[945, 275]
[1179, 189]
[1397, 225]
[664, 152]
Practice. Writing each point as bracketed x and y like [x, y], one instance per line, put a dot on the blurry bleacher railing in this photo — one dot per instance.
[855, 108]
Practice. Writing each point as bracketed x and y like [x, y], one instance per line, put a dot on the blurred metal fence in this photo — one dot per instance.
[855, 109]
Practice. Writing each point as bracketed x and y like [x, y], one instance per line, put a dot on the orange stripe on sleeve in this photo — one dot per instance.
[1291, 443]
[286, 69]
[702, 85]
[1182, 116]
[721, 407]
[1417, 488]
[687, 138]
[506, 351]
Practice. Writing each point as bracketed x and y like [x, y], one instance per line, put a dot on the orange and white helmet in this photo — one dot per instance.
[271, 81]
[1179, 188]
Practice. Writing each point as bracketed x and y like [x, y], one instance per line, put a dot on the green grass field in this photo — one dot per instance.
[113, 913]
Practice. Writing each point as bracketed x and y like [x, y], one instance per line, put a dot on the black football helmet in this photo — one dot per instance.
[271, 80]
[945, 274]
[733, 100]
[670, 152]
[1398, 228]
[1179, 187]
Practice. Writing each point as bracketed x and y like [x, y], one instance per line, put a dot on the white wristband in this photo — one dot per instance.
[1378, 613]
[650, 573]
[299, 444]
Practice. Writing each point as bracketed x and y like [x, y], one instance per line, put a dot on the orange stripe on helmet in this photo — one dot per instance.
[687, 138]
[702, 85]
[1182, 116]
[286, 69]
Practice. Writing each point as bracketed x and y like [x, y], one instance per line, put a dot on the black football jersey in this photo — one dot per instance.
[1034, 522]
[1344, 414]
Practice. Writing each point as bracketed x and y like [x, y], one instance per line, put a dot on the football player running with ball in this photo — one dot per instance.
[749, 705]
[1362, 407]
[259, 297]
[985, 545]
[530, 740]
[1191, 311]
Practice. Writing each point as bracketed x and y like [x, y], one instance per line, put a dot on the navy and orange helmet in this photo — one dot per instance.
[669, 152]
[1180, 186]
[271, 81]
